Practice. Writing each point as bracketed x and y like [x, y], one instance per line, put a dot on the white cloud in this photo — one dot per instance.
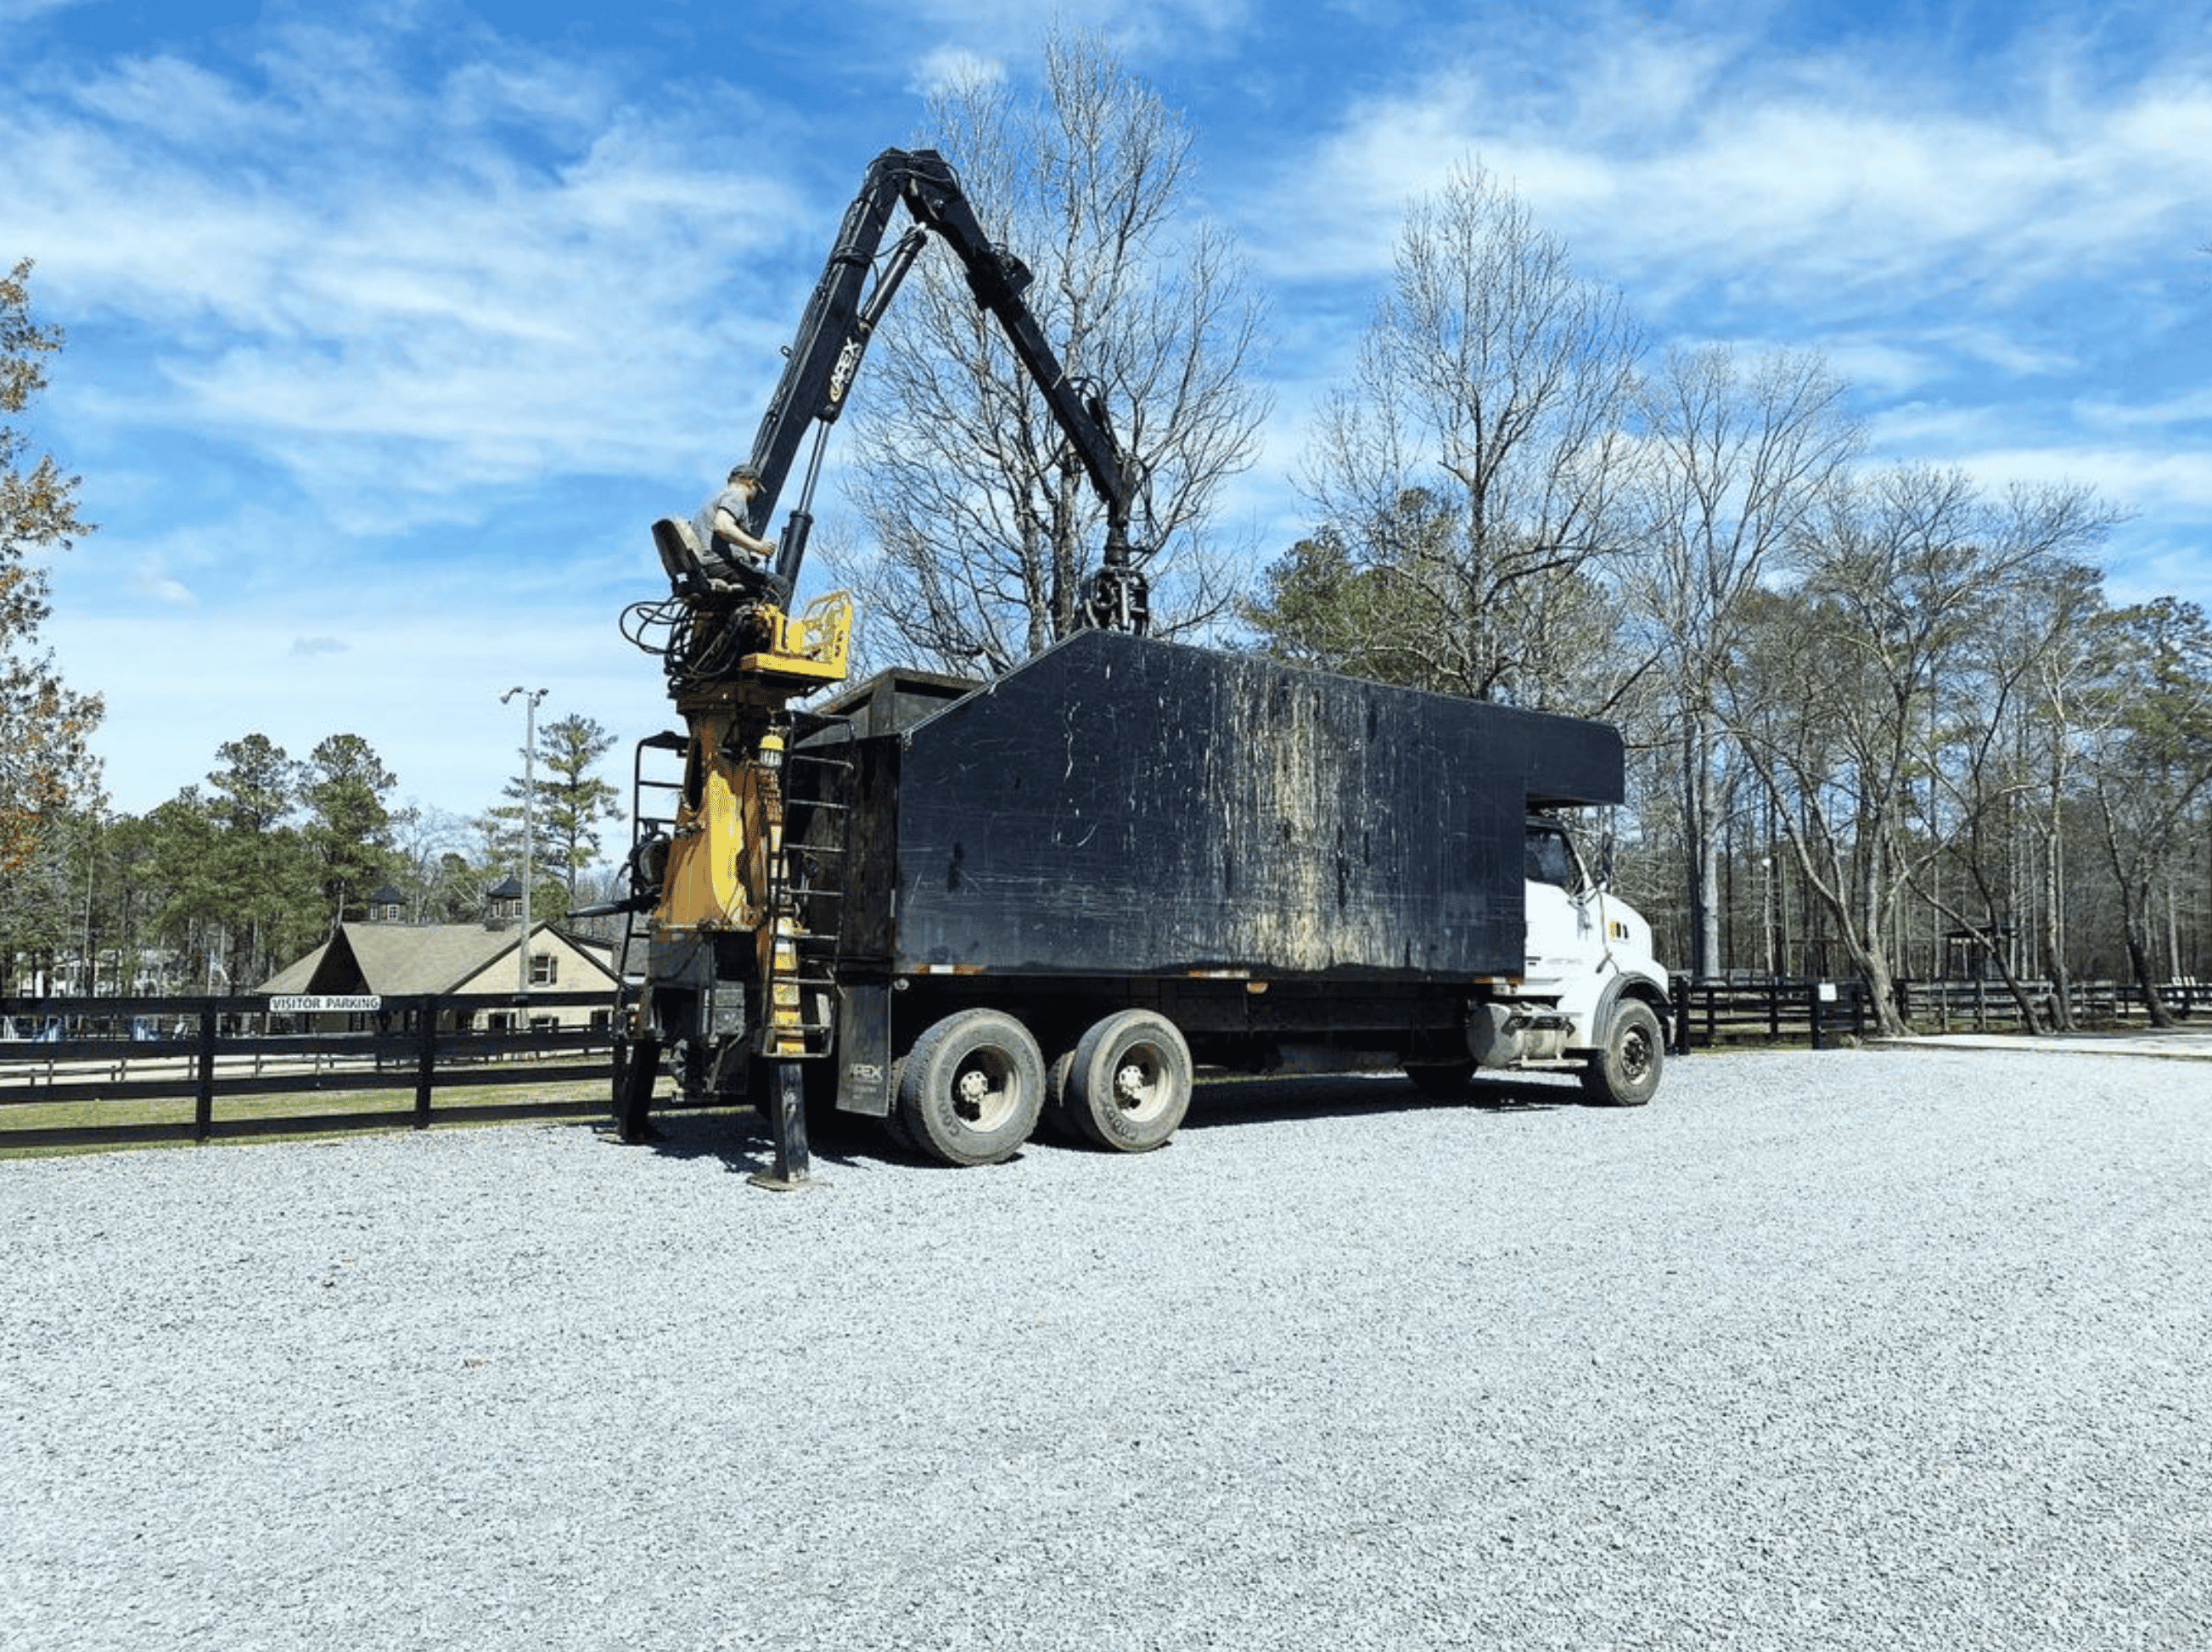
[2137, 478]
[149, 580]
[2189, 407]
[948, 68]
[1717, 160]
[432, 324]
[1139, 27]
[1878, 365]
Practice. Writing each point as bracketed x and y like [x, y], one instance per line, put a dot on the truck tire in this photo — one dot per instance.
[1625, 1071]
[1057, 1121]
[894, 1122]
[1127, 1086]
[972, 1089]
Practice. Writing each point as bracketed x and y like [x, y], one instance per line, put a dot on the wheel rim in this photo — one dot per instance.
[1635, 1054]
[1140, 1085]
[983, 1090]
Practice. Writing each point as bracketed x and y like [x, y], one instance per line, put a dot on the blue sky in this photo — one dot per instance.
[392, 326]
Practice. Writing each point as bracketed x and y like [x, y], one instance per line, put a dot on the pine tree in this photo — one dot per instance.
[46, 768]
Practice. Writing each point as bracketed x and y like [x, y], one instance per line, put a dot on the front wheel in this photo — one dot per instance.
[1624, 1073]
[972, 1087]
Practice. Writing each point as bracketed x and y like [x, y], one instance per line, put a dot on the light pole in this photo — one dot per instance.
[530, 699]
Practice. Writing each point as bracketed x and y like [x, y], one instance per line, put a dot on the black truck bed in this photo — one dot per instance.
[1122, 807]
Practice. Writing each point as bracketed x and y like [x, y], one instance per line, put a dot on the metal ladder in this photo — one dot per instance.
[817, 806]
[652, 809]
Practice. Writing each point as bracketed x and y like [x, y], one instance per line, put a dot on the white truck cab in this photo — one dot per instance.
[1591, 996]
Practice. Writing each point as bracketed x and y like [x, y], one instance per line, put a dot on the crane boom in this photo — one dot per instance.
[833, 337]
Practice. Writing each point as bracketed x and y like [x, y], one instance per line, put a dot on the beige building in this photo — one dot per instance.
[476, 965]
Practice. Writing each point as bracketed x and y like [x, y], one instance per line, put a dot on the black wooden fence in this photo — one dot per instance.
[85, 1071]
[1990, 1006]
[1711, 1013]
[1708, 1014]
[113, 1070]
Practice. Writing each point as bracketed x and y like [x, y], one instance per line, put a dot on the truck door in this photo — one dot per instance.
[1562, 939]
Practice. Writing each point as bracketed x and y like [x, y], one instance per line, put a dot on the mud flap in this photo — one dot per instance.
[863, 1048]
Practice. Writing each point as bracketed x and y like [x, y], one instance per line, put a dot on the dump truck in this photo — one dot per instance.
[973, 909]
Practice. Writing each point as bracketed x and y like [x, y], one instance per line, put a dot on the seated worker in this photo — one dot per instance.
[715, 548]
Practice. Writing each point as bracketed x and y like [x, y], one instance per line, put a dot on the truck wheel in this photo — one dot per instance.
[1442, 1081]
[894, 1130]
[1057, 1121]
[1128, 1082]
[973, 1087]
[1625, 1072]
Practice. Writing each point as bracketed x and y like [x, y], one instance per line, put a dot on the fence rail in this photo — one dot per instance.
[1710, 1014]
[91, 1070]
[1990, 1006]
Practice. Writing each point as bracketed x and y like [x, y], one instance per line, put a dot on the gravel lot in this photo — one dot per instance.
[1895, 1348]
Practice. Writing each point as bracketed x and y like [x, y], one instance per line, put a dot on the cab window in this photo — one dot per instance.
[1549, 860]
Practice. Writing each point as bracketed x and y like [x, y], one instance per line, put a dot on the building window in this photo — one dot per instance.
[544, 969]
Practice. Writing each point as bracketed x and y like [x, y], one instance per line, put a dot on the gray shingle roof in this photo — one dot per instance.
[401, 960]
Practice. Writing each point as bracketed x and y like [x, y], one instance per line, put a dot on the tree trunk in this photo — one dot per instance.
[2134, 915]
[1700, 849]
[2054, 931]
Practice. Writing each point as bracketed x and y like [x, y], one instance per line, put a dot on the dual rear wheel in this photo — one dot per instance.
[975, 1085]
[1126, 1086]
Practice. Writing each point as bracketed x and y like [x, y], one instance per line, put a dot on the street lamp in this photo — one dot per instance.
[530, 699]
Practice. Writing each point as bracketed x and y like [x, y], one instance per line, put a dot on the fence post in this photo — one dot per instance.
[1678, 988]
[204, 1099]
[1812, 1013]
[426, 1057]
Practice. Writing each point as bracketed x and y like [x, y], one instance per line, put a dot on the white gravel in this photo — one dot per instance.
[1851, 1349]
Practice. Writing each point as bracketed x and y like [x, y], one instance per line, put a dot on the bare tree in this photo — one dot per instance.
[1739, 455]
[1836, 701]
[442, 885]
[984, 525]
[2152, 766]
[1997, 774]
[2067, 714]
[1475, 469]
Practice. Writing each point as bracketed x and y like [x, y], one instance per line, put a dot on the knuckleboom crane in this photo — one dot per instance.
[723, 991]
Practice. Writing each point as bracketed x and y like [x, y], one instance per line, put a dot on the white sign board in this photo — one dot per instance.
[324, 1003]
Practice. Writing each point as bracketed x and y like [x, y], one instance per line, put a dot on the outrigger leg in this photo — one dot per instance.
[635, 1079]
[787, 1115]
